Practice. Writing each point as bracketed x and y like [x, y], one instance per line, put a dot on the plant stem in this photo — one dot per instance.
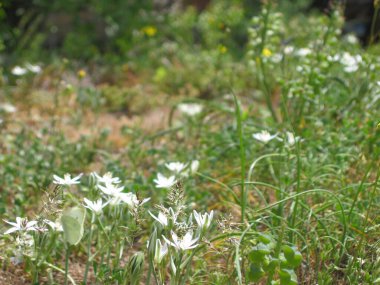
[373, 24]
[89, 249]
[60, 270]
[243, 194]
[67, 262]
[178, 273]
[295, 209]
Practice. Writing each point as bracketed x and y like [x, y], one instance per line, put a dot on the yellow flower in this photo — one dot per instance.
[222, 49]
[81, 73]
[266, 52]
[150, 31]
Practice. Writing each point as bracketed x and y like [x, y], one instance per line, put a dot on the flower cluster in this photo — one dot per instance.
[351, 63]
[179, 238]
[289, 138]
[19, 71]
[178, 170]
[170, 222]
[113, 194]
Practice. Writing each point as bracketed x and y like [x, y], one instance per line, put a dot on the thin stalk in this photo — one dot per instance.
[243, 194]
[89, 249]
[295, 210]
[67, 263]
[60, 270]
[177, 279]
[374, 19]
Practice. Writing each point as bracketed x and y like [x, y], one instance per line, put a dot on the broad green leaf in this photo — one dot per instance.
[73, 224]
[272, 264]
[258, 253]
[292, 255]
[265, 238]
[255, 273]
[288, 277]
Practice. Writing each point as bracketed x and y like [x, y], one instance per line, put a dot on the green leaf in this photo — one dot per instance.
[265, 238]
[255, 273]
[292, 255]
[273, 263]
[73, 224]
[258, 253]
[288, 277]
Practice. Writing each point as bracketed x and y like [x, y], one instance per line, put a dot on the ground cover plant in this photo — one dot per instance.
[238, 144]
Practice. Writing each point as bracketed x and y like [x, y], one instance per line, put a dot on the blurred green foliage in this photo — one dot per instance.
[116, 29]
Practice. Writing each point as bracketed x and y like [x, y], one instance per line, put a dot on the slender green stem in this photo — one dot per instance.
[89, 249]
[178, 265]
[67, 263]
[373, 24]
[243, 194]
[60, 270]
[295, 209]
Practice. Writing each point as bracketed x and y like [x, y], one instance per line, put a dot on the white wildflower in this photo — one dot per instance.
[19, 71]
[110, 189]
[187, 242]
[7, 108]
[21, 224]
[160, 251]
[303, 52]
[95, 206]
[33, 68]
[351, 63]
[107, 178]
[291, 139]
[66, 180]
[203, 221]
[128, 198]
[164, 182]
[194, 165]
[176, 167]
[190, 109]
[264, 136]
[161, 218]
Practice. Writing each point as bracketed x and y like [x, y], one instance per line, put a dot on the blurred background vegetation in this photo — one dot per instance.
[110, 31]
